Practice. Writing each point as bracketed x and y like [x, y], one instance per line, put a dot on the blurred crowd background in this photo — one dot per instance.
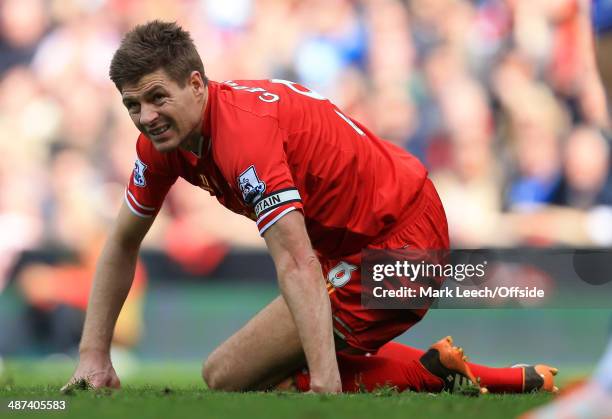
[499, 98]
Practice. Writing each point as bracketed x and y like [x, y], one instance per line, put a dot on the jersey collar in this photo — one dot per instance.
[199, 147]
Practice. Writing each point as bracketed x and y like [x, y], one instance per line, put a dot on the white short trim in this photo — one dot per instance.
[275, 219]
[134, 210]
[138, 203]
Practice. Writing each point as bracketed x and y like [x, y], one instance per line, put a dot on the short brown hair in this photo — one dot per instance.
[153, 46]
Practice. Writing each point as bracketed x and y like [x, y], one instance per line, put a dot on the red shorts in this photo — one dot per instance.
[369, 329]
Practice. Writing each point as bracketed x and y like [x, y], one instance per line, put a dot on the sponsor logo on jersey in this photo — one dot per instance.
[340, 275]
[276, 199]
[139, 171]
[251, 187]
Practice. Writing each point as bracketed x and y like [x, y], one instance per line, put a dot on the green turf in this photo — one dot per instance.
[184, 402]
[175, 391]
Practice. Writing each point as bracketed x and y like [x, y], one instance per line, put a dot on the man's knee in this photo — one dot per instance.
[214, 376]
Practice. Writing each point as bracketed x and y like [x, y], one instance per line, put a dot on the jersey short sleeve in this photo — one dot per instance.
[150, 180]
[257, 168]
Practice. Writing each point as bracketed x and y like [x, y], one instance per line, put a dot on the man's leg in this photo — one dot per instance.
[265, 351]
[497, 380]
[443, 367]
[405, 368]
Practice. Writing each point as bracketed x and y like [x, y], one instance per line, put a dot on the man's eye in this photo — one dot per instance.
[133, 107]
[158, 98]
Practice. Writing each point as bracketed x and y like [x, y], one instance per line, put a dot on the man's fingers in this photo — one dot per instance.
[114, 382]
[94, 381]
[69, 384]
[98, 382]
[105, 380]
[102, 380]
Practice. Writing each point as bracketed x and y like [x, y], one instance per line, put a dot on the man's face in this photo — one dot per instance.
[162, 110]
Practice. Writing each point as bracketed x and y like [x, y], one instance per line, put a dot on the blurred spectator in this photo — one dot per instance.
[334, 39]
[470, 185]
[537, 126]
[22, 24]
[586, 182]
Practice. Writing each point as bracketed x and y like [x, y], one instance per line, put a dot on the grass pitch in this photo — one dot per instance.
[175, 390]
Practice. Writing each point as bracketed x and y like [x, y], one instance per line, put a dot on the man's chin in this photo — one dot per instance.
[165, 146]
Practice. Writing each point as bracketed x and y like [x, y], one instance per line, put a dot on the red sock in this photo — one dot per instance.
[366, 373]
[496, 380]
[398, 365]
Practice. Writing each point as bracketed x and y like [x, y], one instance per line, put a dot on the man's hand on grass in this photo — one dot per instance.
[95, 370]
[329, 384]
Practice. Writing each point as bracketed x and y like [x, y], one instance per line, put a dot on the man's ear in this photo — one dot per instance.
[197, 83]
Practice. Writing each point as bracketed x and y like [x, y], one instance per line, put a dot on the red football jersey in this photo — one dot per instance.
[272, 146]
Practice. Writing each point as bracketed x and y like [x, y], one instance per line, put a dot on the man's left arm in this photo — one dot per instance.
[303, 287]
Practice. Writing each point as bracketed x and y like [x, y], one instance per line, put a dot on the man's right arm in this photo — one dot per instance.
[112, 282]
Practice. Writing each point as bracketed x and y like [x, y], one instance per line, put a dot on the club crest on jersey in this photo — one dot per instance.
[340, 275]
[139, 177]
[251, 187]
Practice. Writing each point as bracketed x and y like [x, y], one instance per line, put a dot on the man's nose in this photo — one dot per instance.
[148, 115]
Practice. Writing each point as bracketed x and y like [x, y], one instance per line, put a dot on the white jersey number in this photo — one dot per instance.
[312, 94]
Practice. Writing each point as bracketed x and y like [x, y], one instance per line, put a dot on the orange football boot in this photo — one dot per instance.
[448, 362]
[539, 377]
